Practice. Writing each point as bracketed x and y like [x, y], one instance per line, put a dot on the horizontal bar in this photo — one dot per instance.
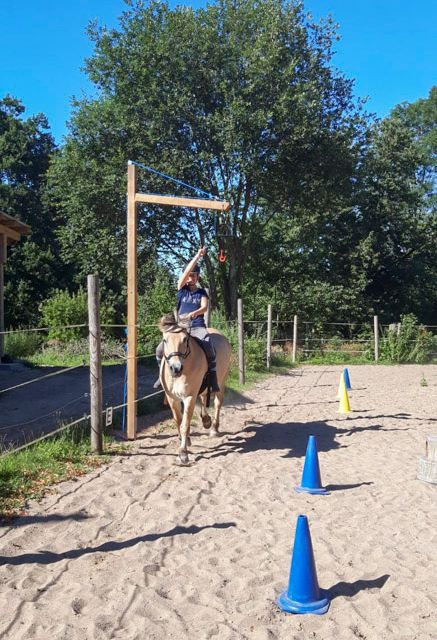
[194, 203]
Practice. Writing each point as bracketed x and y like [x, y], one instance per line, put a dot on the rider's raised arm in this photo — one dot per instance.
[189, 268]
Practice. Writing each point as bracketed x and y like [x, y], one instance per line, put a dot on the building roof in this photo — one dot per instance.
[12, 228]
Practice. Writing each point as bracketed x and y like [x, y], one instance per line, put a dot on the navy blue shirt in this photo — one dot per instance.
[189, 301]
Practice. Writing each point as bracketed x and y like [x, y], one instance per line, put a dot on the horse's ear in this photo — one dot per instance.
[166, 322]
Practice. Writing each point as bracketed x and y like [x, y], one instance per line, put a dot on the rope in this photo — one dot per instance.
[68, 326]
[184, 184]
[46, 435]
[49, 375]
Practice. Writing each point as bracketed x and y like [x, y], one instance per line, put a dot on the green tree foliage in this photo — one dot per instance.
[238, 99]
[32, 269]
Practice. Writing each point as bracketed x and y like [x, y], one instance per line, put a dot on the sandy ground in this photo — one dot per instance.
[144, 549]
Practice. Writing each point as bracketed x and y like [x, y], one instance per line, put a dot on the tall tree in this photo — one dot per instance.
[238, 99]
[33, 269]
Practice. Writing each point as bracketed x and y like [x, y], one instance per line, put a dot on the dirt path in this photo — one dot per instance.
[146, 549]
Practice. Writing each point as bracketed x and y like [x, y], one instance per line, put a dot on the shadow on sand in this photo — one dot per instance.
[49, 557]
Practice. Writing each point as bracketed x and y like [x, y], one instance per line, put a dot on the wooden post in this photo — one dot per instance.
[208, 313]
[269, 336]
[132, 303]
[376, 337]
[241, 376]
[3, 252]
[96, 397]
[293, 358]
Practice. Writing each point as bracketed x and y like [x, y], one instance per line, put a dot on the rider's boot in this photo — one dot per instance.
[157, 383]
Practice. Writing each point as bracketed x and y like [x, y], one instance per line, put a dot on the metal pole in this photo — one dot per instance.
[294, 339]
[241, 376]
[269, 336]
[376, 337]
[96, 396]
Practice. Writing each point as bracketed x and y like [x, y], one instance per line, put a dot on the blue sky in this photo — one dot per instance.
[388, 46]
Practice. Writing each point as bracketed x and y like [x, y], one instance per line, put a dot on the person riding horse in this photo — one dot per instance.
[192, 302]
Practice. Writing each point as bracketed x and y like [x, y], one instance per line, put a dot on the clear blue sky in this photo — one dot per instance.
[388, 46]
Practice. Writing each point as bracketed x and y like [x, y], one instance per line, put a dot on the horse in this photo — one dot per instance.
[182, 373]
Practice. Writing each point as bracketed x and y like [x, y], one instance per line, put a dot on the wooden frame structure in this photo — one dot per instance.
[134, 198]
[11, 231]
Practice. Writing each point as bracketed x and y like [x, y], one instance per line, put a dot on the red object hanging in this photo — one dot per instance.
[222, 257]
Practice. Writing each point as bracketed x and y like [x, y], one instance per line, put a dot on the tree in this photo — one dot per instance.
[33, 269]
[238, 99]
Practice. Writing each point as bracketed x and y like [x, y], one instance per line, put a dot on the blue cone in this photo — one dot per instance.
[347, 382]
[311, 481]
[303, 594]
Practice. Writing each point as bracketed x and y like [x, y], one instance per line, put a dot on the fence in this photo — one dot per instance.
[97, 400]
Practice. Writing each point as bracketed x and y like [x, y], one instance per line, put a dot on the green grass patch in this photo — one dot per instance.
[28, 474]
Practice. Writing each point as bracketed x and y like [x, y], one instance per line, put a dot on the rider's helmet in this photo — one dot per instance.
[195, 269]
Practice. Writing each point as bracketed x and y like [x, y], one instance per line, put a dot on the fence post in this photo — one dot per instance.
[269, 335]
[293, 359]
[3, 250]
[241, 376]
[96, 396]
[376, 337]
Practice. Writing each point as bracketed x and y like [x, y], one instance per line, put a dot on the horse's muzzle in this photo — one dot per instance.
[176, 370]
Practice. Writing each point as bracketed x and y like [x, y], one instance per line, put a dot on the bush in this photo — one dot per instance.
[159, 300]
[22, 345]
[254, 345]
[64, 309]
[411, 343]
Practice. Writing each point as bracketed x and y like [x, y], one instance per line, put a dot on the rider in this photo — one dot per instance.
[193, 301]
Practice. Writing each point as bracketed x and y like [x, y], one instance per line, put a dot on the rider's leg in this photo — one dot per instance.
[159, 356]
[202, 334]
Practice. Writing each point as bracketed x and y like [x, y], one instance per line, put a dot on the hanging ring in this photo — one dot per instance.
[222, 256]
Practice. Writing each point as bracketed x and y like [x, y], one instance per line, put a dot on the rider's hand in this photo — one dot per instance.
[201, 252]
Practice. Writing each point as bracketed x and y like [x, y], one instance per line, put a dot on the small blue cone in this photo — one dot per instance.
[311, 481]
[303, 594]
[347, 381]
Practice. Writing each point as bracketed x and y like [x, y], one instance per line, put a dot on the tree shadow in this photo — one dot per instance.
[21, 521]
[49, 557]
[291, 438]
[350, 589]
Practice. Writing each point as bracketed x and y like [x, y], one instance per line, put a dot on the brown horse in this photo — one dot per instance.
[183, 370]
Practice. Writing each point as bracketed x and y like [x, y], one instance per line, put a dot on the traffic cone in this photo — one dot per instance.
[344, 406]
[311, 481]
[340, 386]
[303, 594]
[347, 379]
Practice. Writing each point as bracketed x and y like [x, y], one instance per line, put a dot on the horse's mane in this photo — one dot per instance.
[173, 322]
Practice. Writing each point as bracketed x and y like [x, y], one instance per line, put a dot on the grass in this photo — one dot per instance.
[27, 474]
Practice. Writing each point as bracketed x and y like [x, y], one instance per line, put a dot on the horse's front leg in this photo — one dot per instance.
[175, 406]
[189, 404]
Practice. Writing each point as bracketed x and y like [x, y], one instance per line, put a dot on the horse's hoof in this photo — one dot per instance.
[183, 458]
[214, 433]
[206, 423]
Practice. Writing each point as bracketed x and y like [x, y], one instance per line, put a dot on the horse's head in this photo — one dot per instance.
[176, 342]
